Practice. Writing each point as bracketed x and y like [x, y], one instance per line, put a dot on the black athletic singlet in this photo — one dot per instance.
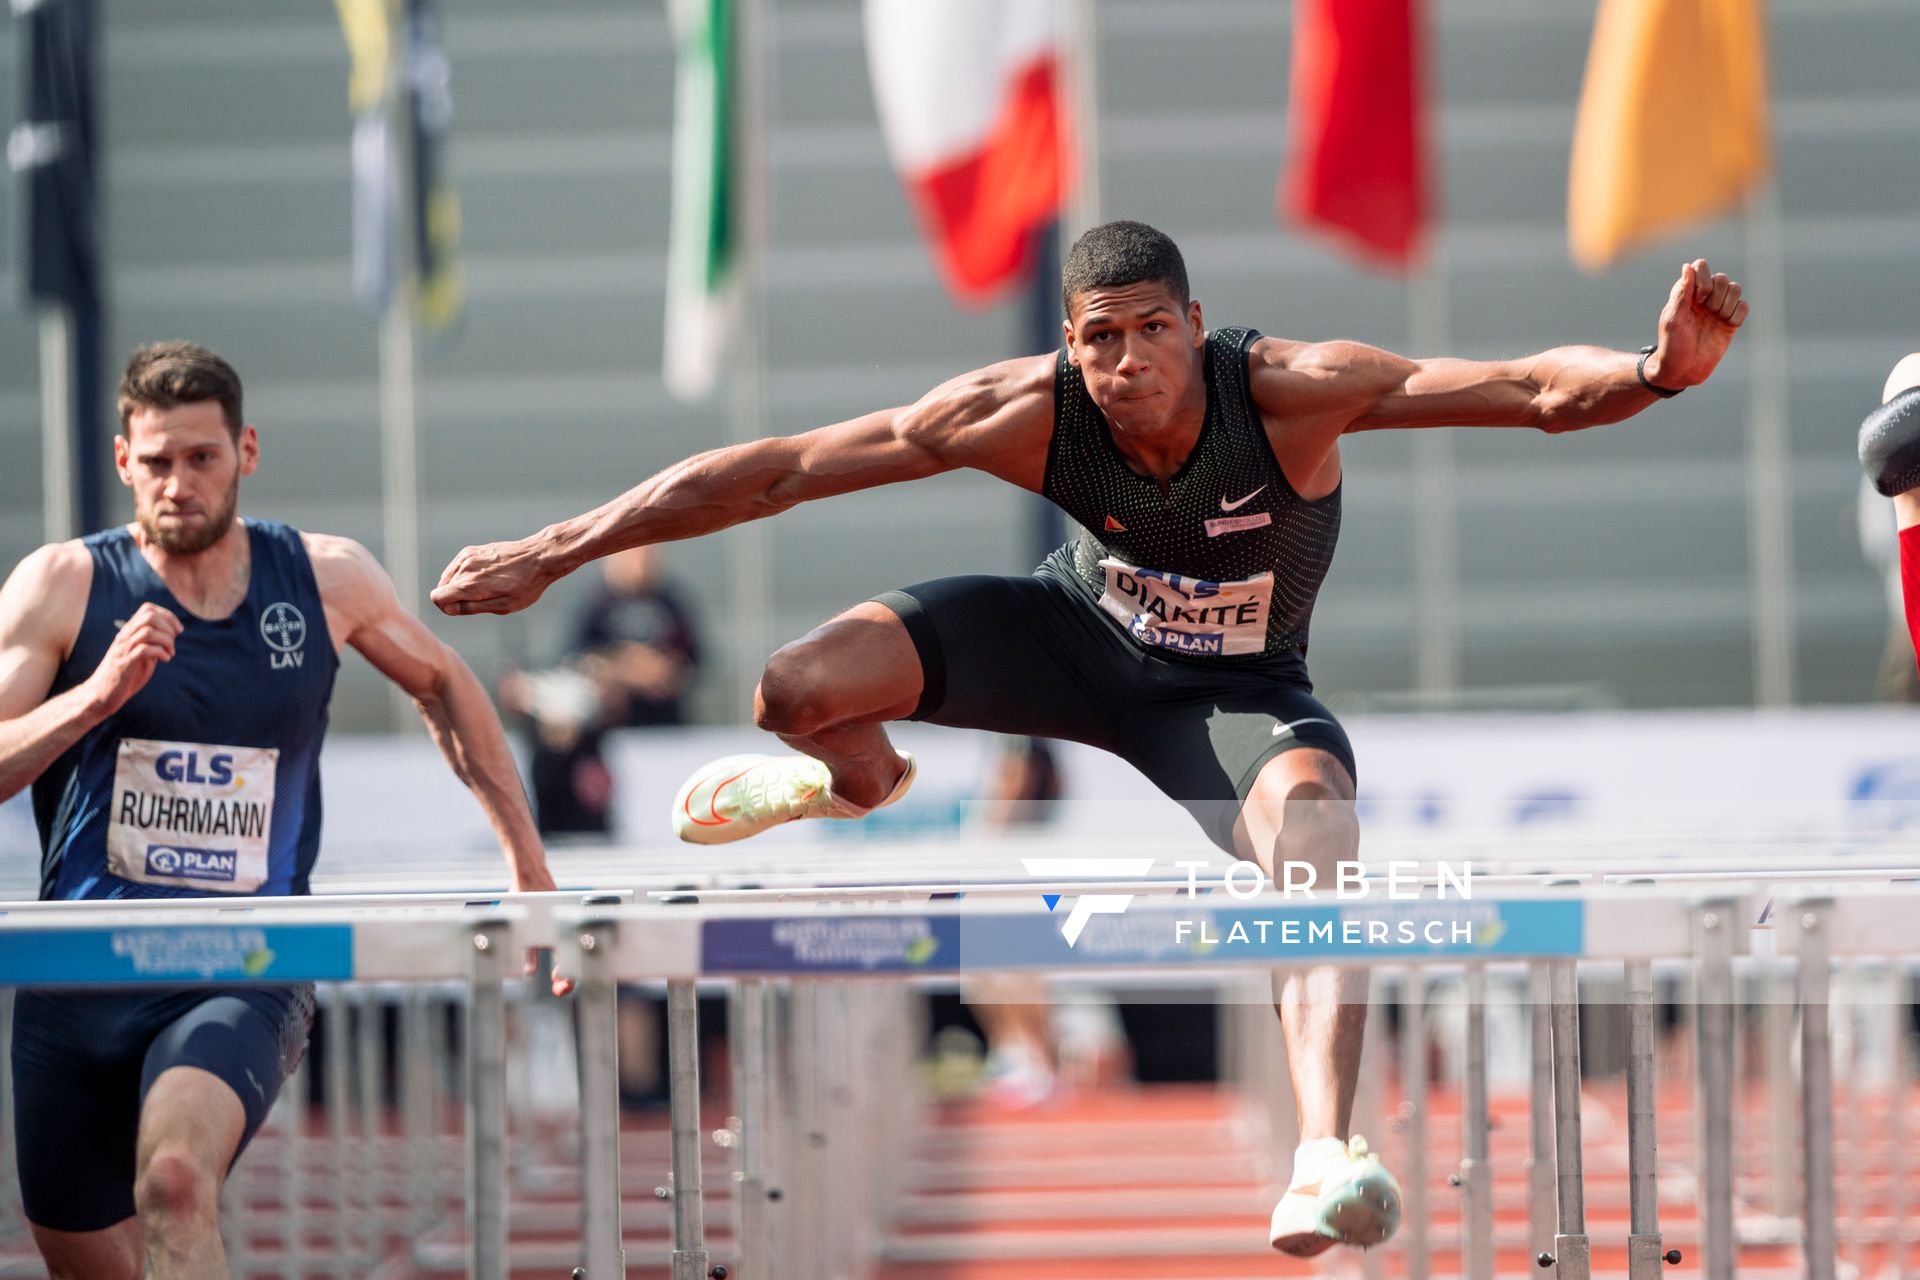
[1227, 560]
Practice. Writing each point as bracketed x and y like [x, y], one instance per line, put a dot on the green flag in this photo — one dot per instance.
[705, 231]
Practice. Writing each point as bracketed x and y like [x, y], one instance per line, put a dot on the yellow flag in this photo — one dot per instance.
[1673, 121]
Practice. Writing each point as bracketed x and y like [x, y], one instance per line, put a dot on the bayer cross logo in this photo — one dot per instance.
[283, 627]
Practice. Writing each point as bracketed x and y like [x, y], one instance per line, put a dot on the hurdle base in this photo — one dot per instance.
[690, 1264]
[1572, 1258]
[1643, 1257]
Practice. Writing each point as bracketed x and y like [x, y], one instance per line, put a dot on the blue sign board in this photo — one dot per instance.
[1197, 932]
[178, 954]
[831, 944]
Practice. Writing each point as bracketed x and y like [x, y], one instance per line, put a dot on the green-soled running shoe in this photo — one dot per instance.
[1354, 1200]
[740, 796]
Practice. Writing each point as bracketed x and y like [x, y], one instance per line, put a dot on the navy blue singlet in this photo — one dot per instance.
[208, 779]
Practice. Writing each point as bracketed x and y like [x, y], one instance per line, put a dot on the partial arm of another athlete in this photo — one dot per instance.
[41, 608]
[363, 611]
[994, 420]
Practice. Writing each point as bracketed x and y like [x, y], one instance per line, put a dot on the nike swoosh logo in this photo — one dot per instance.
[1235, 506]
[713, 800]
[1288, 728]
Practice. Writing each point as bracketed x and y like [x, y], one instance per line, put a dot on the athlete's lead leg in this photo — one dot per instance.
[827, 695]
[1300, 811]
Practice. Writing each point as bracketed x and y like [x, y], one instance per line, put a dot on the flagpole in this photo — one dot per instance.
[56, 422]
[746, 369]
[1436, 513]
[1082, 67]
[399, 365]
[1769, 495]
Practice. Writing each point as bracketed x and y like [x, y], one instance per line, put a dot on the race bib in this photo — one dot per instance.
[191, 815]
[1169, 611]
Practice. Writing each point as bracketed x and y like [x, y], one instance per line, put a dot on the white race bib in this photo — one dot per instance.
[192, 815]
[1186, 614]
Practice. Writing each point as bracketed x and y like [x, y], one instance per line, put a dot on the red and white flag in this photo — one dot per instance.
[1357, 164]
[970, 103]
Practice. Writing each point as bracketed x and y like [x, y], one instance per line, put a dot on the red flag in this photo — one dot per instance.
[969, 100]
[1357, 159]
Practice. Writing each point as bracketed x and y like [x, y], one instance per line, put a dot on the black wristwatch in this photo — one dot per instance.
[1664, 393]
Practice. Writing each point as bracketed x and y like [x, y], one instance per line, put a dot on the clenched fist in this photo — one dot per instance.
[1703, 311]
[144, 642]
[501, 577]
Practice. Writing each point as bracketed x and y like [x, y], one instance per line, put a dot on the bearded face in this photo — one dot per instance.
[190, 529]
[184, 466]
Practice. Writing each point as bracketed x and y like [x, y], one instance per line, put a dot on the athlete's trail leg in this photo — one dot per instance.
[113, 1253]
[828, 693]
[190, 1126]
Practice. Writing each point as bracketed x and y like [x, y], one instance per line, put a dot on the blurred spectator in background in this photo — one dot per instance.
[636, 640]
[633, 658]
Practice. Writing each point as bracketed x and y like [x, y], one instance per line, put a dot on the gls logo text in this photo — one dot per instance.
[1087, 905]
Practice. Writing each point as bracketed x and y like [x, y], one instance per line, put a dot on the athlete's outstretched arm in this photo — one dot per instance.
[994, 420]
[1347, 386]
[41, 607]
[363, 611]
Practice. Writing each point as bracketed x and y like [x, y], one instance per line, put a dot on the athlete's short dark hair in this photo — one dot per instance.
[1114, 254]
[165, 375]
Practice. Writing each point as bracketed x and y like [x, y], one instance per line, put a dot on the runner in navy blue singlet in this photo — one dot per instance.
[164, 689]
[1204, 469]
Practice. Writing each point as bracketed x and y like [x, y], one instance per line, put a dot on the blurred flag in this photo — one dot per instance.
[429, 116]
[52, 150]
[970, 104]
[1357, 156]
[703, 237]
[1672, 124]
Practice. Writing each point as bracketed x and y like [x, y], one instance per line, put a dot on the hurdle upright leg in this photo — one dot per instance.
[334, 1091]
[1898, 1011]
[1540, 1203]
[683, 1083]
[1571, 1250]
[1643, 1245]
[293, 1173]
[751, 1248]
[1784, 1144]
[369, 1077]
[1475, 1175]
[1413, 1092]
[598, 1012]
[1816, 1092]
[1713, 1017]
[1370, 1105]
[486, 1050]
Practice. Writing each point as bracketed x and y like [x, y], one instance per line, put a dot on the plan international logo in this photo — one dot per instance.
[1243, 881]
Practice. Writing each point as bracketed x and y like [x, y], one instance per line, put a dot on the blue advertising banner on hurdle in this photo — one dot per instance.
[1199, 934]
[831, 944]
[1152, 936]
[176, 954]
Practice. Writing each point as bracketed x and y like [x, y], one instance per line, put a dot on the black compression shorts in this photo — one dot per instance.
[1031, 655]
[83, 1061]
